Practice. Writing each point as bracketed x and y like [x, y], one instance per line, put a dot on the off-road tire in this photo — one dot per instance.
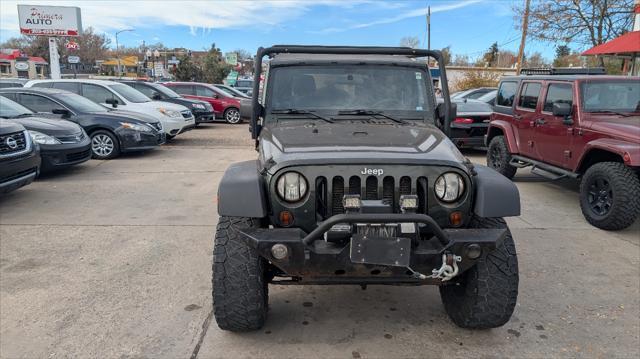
[624, 187]
[485, 295]
[240, 289]
[499, 157]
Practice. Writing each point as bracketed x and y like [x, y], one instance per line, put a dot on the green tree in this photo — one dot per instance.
[214, 69]
[563, 56]
[446, 55]
[491, 56]
[186, 70]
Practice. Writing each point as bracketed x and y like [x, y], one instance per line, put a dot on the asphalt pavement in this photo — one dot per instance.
[112, 259]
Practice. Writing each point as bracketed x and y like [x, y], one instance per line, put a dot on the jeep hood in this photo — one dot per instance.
[49, 126]
[356, 140]
[624, 127]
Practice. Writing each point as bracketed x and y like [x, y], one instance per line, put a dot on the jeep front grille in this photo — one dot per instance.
[337, 188]
[330, 191]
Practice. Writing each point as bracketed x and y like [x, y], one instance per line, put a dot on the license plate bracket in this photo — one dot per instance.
[395, 251]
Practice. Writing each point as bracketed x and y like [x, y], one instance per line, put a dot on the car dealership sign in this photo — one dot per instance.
[49, 20]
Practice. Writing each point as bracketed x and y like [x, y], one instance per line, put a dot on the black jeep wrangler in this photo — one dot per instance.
[356, 184]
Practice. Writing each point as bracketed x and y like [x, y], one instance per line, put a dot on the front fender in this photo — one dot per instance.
[499, 126]
[628, 151]
[496, 195]
[241, 192]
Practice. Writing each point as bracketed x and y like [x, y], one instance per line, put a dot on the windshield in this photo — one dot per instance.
[613, 96]
[129, 93]
[230, 90]
[9, 108]
[80, 104]
[331, 89]
[244, 83]
[489, 96]
[165, 91]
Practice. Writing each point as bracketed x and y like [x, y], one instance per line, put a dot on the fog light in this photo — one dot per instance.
[455, 218]
[286, 218]
[473, 251]
[408, 202]
[279, 251]
[351, 202]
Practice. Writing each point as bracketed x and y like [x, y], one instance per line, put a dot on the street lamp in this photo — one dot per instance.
[118, 48]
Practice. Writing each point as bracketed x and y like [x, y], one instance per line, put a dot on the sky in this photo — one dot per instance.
[468, 26]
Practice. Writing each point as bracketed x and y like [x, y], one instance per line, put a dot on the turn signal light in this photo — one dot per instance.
[286, 218]
[456, 219]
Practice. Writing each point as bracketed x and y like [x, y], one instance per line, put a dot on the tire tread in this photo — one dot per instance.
[240, 290]
[486, 294]
[626, 192]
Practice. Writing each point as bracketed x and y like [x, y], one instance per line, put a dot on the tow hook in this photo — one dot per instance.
[447, 271]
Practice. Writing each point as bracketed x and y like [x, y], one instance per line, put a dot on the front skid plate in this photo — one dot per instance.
[394, 252]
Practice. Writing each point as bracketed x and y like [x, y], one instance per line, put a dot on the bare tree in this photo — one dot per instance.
[585, 22]
[461, 60]
[410, 41]
[535, 60]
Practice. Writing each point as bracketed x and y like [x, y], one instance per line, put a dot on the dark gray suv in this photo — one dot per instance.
[356, 183]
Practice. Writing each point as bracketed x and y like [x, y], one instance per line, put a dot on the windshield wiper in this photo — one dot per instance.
[361, 112]
[623, 114]
[21, 115]
[293, 111]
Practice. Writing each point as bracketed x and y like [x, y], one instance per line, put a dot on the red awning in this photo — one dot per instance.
[625, 44]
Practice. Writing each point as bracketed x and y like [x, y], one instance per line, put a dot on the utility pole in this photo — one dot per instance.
[428, 27]
[525, 25]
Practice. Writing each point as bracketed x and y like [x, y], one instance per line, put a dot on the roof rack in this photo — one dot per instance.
[564, 71]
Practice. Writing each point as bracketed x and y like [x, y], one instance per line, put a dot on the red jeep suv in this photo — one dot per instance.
[224, 105]
[579, 126]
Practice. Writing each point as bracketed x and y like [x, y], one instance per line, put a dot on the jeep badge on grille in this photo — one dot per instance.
[372, 171]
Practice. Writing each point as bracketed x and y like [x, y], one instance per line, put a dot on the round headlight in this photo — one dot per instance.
[291, 186]
[449, 187]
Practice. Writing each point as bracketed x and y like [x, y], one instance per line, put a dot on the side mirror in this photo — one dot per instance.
[215, 96]
[112, 101]
[61, 111]
[156, 97]
[561, 109]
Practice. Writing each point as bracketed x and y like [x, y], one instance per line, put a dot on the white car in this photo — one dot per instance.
[175, 118]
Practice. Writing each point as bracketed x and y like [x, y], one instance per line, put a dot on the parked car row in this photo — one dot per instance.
[67, 122]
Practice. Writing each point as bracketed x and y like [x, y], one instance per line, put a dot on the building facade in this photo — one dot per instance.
[15, 64]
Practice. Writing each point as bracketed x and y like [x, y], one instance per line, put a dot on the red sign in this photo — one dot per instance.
[49, 20]
[71, 45]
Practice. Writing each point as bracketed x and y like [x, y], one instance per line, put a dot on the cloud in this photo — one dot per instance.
[402, 16]
[199, 17]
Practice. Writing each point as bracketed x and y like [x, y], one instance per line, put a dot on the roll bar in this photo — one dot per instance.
[346, 50]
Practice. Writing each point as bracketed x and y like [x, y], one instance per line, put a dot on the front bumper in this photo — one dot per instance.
[131, 141]
[313, 260]
[471, 135]
[19, 172]
[204, 116]
[60, 156]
